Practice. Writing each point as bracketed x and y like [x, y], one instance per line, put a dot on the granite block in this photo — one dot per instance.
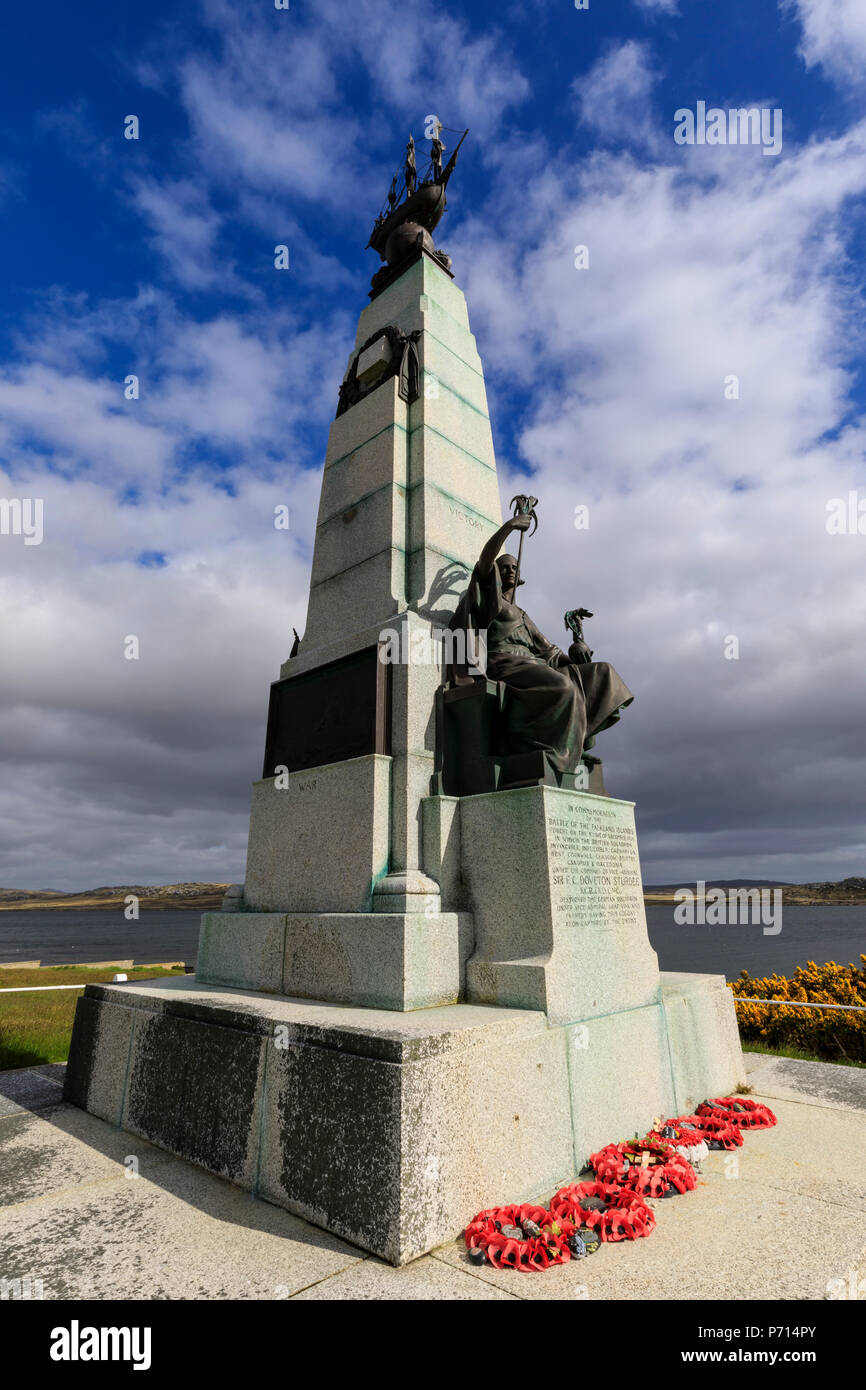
[320, 843]
[440, 822]
[449, 356]
[242, 949]
[373, 524]
[367, 418]
[620, 1076]
[194, 1088]
[382, 460]
[99, 1054]
[706, 1055]
[357, 599]
[381, 960]
[450, 524]
[396, 1158]
[561, 925]
[450, 416]
[424, 288]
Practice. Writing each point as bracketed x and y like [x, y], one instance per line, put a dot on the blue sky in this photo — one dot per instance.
[155, 257]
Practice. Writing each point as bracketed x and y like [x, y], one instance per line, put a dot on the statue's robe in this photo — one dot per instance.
[553, 704]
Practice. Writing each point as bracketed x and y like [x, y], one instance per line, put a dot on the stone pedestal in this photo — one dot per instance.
[554, 883]
[394, 960]
[319, 839]
[391, 1130]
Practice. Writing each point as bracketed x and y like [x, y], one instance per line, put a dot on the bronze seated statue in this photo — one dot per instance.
[532, 713]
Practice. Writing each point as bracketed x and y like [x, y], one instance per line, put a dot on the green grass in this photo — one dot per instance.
[798, 1055]
[36, 1028]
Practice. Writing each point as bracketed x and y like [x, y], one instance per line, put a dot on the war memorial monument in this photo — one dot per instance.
[434, 991]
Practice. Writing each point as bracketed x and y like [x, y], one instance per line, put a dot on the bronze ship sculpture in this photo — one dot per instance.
[413, 210]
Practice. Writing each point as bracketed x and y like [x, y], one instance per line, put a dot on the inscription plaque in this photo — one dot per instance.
[337, 711]
[559, 925]
[594, 878]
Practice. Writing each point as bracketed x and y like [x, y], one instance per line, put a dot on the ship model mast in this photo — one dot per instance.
[414, 209]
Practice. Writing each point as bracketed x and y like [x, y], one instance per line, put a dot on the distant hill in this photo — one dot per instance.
[14, 895]
[720, 883]
[845, 891]
[204, 897]
[199, 897]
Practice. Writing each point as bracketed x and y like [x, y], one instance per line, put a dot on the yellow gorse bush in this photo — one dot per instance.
[831, 1033]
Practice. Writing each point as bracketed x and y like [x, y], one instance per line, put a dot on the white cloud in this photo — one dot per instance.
[239, 382]
[707, 515]
[139, 770]
[424, 61]
[272, 112]
[145, 765]
[85, 422]
[834, 37]
[614, 94]
[658, 6]
[185, 229]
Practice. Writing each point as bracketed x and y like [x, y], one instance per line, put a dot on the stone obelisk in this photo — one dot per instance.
[409, 496]
[391, 1027]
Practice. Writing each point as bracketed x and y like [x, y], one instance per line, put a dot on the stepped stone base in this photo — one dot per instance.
[390, 1129]
[379, 960]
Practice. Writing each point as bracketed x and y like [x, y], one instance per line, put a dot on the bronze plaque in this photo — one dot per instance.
[338, 711]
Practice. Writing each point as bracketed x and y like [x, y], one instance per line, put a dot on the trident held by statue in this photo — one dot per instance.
[523, 506]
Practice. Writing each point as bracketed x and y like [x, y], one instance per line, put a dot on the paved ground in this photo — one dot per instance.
[782, 1222]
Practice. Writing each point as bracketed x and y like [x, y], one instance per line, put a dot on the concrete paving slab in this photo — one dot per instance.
[30, 1088]
[819, 1083]
[181, 1234]
[816, 1154]
[773, 1229]
[61, 1148]
[706, 1245]
[426, 1279]
[781, 1222]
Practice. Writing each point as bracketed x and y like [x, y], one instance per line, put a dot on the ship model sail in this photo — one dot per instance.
[419, 206]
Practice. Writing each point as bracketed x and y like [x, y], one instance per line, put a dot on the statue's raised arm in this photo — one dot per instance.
[488, 555]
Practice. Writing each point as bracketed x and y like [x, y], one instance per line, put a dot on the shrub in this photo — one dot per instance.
[831, 1033]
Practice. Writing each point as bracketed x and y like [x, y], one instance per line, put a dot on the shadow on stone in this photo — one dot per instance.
[216, 1197]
